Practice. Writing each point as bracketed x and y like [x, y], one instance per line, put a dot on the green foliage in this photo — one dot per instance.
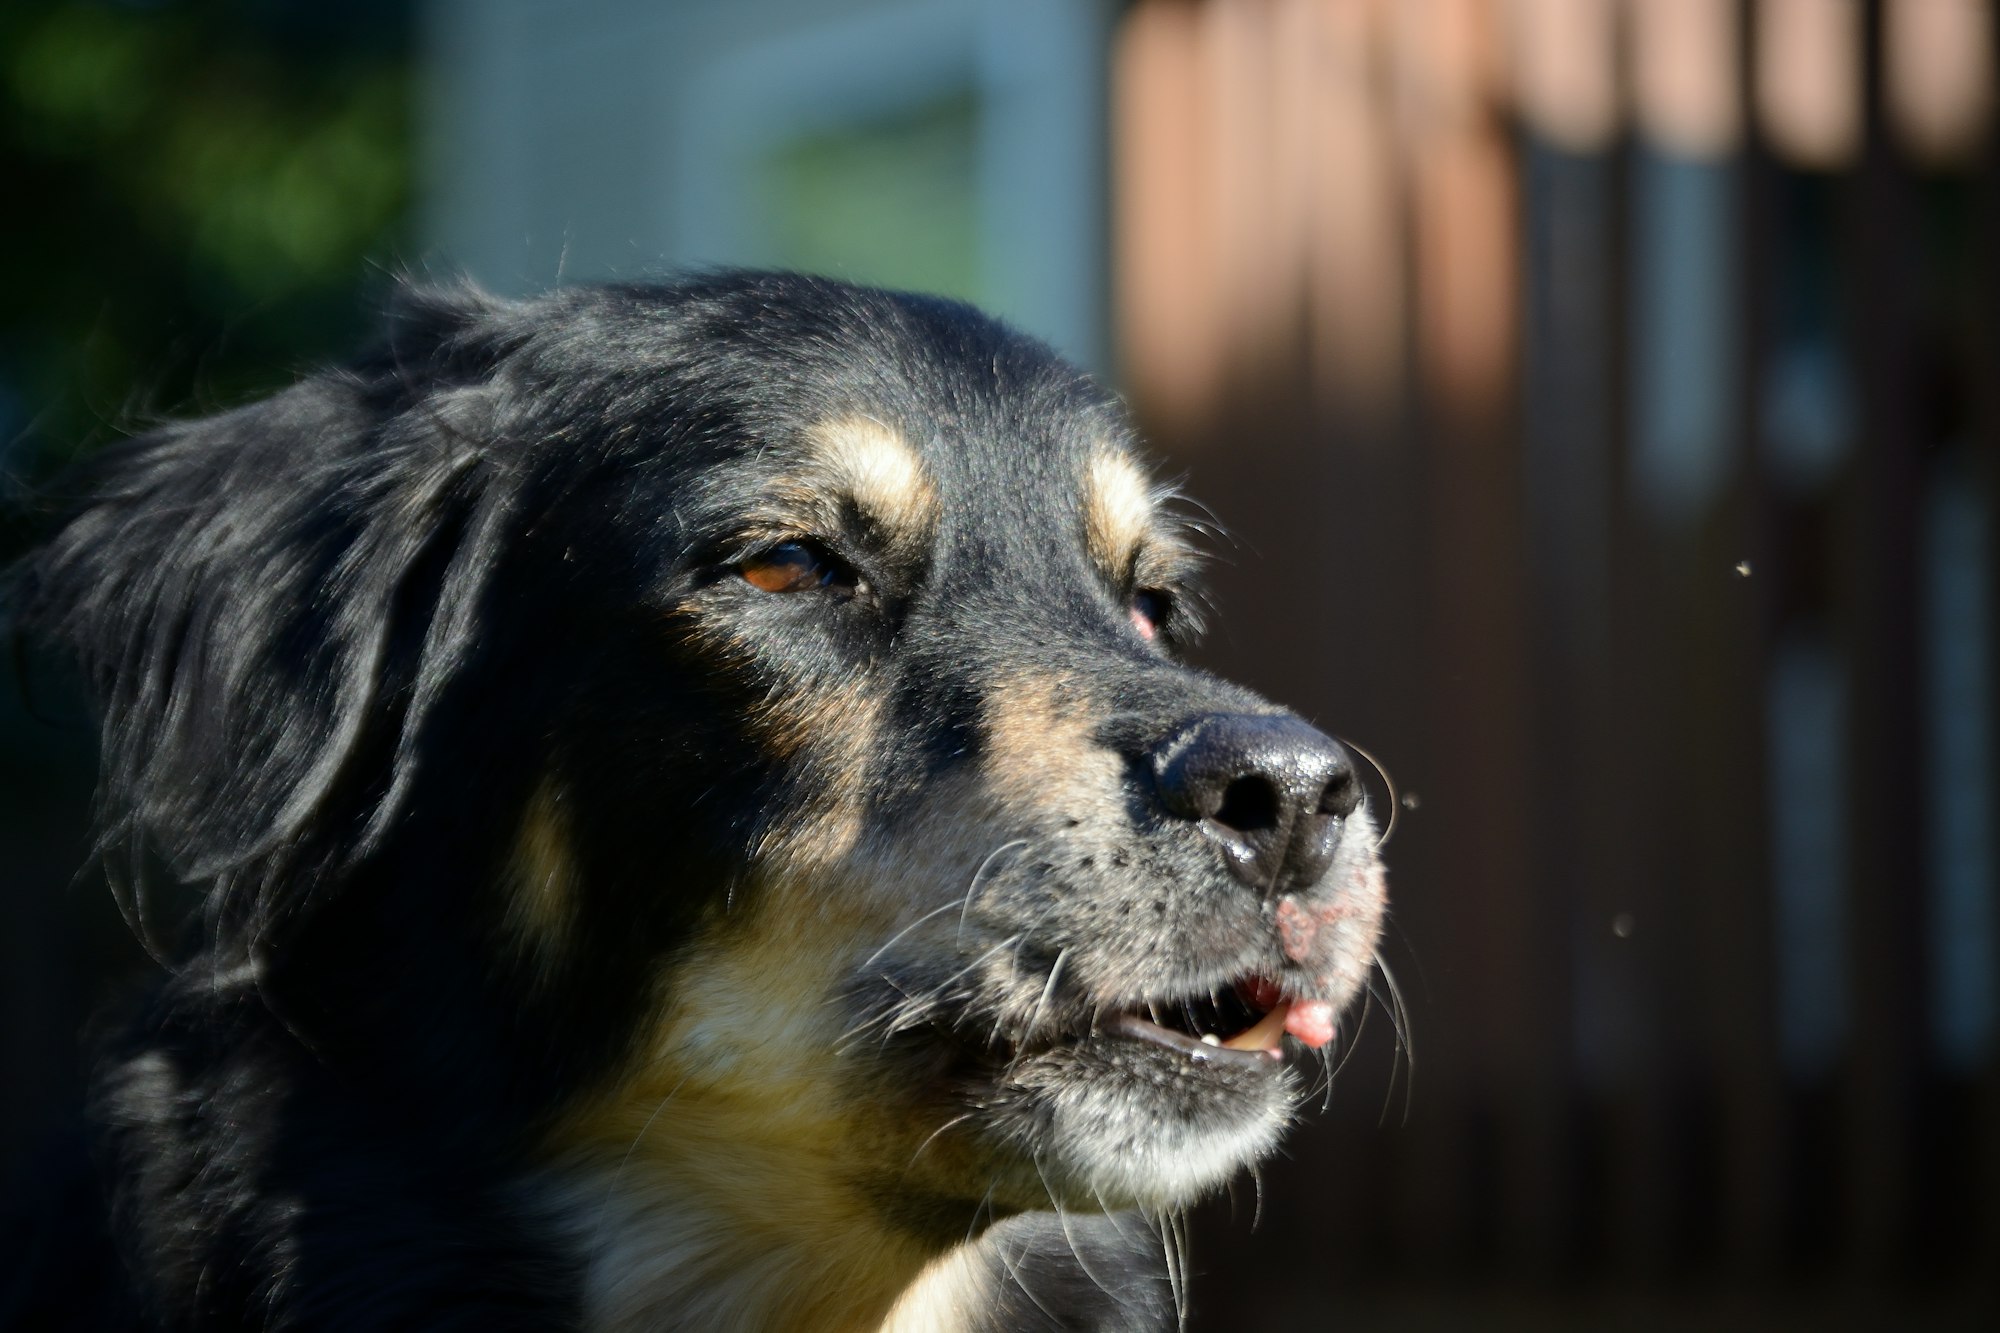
[892, 202]
[196, 191]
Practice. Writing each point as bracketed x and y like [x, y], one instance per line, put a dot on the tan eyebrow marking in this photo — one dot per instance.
[874, 466]
[826, 735]
[1117, 512]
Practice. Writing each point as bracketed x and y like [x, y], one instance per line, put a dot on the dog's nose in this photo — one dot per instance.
[1271, 790]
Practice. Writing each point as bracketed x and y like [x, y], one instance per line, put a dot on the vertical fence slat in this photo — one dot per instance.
[1357, 322]
[1506, 966]
[1167, 288]
[1741, 1028]
[1985, 353]
[1878, 569]
[1808, 86]
[1981, 358]
[1570, 343]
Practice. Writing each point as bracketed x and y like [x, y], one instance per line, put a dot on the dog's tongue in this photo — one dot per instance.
[1311, 1021]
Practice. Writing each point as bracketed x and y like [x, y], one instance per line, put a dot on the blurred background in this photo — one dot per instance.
[1605, 395]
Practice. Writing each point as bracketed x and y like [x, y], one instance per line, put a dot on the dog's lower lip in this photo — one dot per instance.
[1199, 1052]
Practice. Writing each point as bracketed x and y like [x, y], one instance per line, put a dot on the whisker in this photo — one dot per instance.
[611, 1189]
[1069, 1239]
[1175, 1232]
[905, 1014]
[972, 889]
[1395, 798]
[933, 1136]
[1048, 990]
[979, 1209]
[890, 943]
[1400, 1010]
[1406, 1052]
[1014, 1271]
[1351, 1045]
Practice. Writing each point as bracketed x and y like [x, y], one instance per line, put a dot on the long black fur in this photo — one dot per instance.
[337, 637]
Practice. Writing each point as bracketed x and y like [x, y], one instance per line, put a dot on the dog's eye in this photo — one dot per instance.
[1150, 609]
[798, 567]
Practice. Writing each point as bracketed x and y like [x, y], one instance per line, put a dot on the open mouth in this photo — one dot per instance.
[1242, 1026]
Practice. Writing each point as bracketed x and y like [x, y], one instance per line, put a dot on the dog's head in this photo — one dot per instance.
[654, 724]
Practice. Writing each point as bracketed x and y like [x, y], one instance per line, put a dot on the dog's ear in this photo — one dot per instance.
[268, 603]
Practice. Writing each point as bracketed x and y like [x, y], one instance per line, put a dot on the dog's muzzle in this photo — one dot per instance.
[1271, 790]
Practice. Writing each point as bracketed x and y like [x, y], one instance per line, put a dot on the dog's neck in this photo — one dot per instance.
[737, 1242]
[731, 1212]
[657, 1262]
[739, 1178]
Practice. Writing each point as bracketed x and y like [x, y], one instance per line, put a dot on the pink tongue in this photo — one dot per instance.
[1311, 1021]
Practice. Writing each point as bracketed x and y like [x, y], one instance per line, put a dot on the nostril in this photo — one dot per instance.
[1249, 805]
[1272, 790]
[1342, 793]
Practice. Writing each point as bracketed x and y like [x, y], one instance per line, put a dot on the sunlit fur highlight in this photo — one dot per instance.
[849, 465]
[950, 1294]
[873, 465]
[1118, 513]
[541, 903]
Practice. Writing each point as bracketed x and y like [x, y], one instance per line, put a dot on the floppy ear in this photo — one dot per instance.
[268, 603]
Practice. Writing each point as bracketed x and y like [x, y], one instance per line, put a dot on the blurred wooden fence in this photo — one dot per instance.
[1612, 394]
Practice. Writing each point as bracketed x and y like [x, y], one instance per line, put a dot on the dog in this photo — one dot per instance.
[701, 820]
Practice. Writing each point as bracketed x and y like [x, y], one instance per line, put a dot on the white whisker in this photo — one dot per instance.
[972, 889]
[959, 1119]
[611, 1189]
[1395, 799]
[890, 943]
[1048, 990]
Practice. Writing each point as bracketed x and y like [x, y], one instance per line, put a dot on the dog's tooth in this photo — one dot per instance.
[1261, 993]
[1210, 1039]
[1264, 1034]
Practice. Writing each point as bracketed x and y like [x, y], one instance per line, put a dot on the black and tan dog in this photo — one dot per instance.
[702, 824]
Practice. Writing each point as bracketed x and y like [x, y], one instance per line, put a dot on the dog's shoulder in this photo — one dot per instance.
[1048, 1273]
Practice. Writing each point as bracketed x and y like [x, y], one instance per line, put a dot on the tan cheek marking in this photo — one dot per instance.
[738, 1113]
[1040, 755]
[746, 1048]
[1117, 513]
[875, 467]
[541, 901]
[828, 734]
[744, 1045]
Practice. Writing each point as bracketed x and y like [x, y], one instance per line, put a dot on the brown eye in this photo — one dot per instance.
[797, 567]
[1150, 608]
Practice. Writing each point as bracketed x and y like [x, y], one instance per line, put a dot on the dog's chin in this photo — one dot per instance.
[1115, 1121]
